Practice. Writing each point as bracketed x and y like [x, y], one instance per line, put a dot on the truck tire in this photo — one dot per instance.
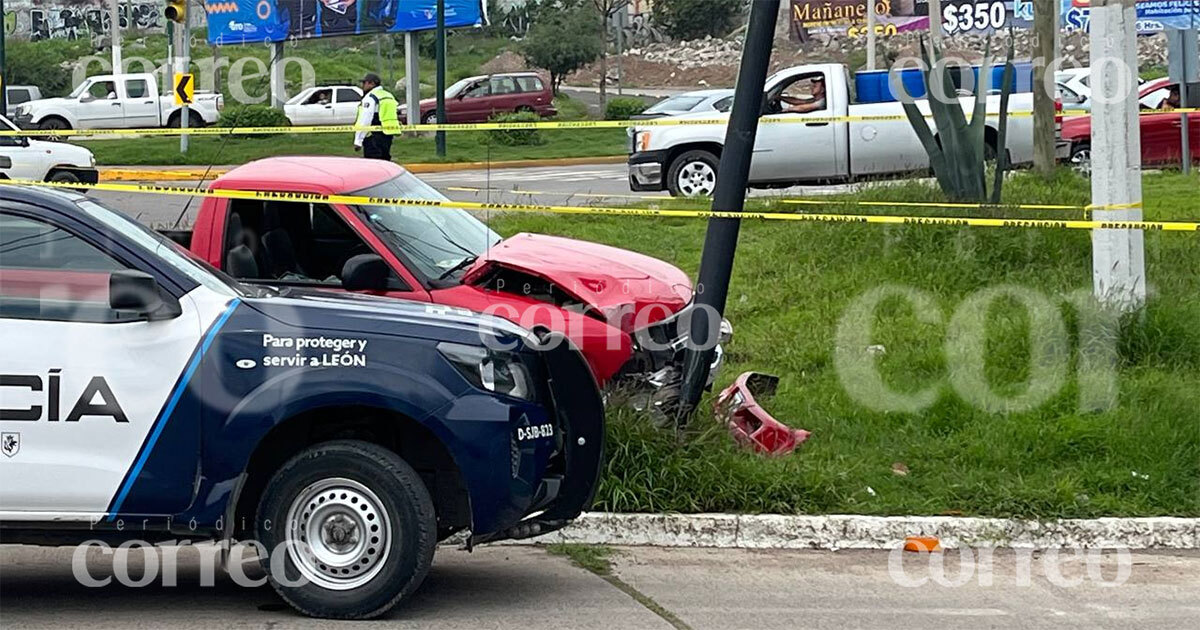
[64, 177]
[429, 118]
[693, 174]
[195, 121]
[352, 527]
[1081, 158]
[54, 123]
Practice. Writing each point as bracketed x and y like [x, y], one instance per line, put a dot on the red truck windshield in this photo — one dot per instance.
[434, 240]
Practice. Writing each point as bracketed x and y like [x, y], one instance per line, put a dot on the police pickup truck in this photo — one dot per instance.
[146, 396]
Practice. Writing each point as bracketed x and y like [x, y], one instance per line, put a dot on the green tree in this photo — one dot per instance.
[692, 19]
[46, 64]
[563, 42]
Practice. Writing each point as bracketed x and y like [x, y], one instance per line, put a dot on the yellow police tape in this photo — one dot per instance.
[496, 126]
[1166, 226]
[816, 202]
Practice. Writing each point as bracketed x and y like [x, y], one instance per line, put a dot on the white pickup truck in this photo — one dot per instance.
[24, 158]
[683, 159]
[127, 101]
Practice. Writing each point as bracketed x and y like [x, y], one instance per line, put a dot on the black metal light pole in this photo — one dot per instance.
[716, 262]
[440, 136]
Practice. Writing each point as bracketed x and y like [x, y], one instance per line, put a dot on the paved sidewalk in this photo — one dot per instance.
[524, 588]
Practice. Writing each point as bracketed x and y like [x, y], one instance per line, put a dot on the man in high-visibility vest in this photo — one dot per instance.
[378, 108]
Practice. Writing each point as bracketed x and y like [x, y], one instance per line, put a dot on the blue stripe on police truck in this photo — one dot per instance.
[165, 415]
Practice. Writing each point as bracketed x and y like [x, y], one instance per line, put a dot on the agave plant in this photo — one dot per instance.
[958, 150]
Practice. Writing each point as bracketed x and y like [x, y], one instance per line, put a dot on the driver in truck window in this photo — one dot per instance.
[814, 103]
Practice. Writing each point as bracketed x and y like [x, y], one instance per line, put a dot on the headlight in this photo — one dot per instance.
[492, 370]
[641, 141]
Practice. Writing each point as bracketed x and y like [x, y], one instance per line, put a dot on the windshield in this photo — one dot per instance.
[78, 90]
[434, 240]
[453, 90]
[167, 251]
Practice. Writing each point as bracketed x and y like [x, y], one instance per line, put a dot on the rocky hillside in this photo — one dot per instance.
[713, 62]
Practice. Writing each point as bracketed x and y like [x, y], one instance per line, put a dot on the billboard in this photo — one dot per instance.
[849, 17]
[266, 21]
[985, 16]
[1152, 15]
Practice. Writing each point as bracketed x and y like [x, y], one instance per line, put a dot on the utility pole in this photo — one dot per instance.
[440, 136]
[871, 44]
[935, 21]
[1045, 25]
[185, 60]
[412, 80]
[720, 243]
[114, 30]
[1118, 256]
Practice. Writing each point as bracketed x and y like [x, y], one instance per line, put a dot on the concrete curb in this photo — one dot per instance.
[772, 531]
[192, 173]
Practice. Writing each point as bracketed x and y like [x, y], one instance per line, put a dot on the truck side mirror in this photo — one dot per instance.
[365, 272]
[136, 292]
[86, 98]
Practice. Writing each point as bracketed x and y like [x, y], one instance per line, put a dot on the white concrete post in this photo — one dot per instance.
[871, 21]
[278, 87]
[412, 79]
[115, 33]
[1118, 256]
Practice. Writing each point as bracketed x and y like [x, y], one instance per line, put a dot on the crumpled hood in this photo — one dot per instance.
[618, 283]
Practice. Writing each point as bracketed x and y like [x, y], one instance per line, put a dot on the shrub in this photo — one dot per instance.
[252, 116]
[623, 108]
[693, 19]
[514, 137]
[46, 64]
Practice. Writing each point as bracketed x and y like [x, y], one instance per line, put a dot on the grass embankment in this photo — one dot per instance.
[793, 283]
[461, 146]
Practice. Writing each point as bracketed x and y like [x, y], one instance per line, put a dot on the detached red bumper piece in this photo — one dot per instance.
[749, 423]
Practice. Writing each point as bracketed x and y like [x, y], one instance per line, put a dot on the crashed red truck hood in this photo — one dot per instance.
[616, 282]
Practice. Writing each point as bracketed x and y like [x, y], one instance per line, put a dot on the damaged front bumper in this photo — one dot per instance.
[569, 483]
[750, 424]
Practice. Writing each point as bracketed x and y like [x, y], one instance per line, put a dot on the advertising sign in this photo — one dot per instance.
[985, 16]
[849, 17]
[1153, 15]
[265, 21]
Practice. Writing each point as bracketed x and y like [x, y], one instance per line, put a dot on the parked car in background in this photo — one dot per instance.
[476, 99]
[18, 94]
[716, 100]
[127, 101]
[324, 105]
[1162, 134]
[25, 158]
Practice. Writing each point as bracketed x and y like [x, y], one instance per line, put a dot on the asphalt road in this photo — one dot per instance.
[525, 588]
[564, 185]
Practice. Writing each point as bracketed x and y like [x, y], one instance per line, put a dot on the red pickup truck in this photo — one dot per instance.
[628, 313]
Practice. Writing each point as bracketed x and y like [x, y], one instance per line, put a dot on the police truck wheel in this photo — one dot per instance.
[352, 528]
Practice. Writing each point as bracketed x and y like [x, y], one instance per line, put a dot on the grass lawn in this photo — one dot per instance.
[794, 283]
[463, 146]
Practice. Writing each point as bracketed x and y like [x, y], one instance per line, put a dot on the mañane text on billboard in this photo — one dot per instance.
[262, 21]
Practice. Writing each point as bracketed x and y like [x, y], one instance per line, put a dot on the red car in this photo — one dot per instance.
[476, 99]
[1162, 137]
[626, 312]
